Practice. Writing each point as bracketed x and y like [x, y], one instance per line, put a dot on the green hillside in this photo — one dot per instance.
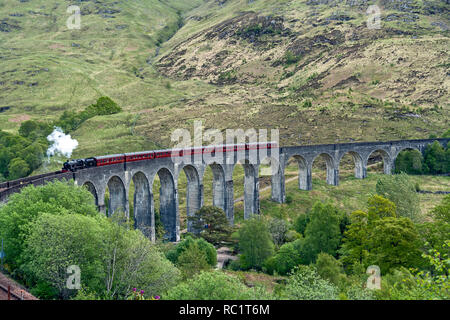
[310, 68]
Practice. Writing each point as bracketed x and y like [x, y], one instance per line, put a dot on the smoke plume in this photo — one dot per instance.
[61, 143]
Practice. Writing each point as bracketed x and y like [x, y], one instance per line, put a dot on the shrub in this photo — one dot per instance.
[322, 233]
[286, 258]
[400, 189]
[215, 285]
[305, 284]
[207, 249]
[24, 207]
[211, 223]
[255, 243]
[329, 268]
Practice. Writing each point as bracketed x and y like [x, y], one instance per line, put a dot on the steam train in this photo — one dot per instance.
[79, 164]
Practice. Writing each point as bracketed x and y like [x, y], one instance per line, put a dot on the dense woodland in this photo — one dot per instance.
[22, 153]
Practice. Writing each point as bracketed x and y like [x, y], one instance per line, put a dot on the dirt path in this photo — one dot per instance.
[224, 254]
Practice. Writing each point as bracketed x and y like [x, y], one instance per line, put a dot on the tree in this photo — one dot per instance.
[105, 106]
[323, 233]
[354, 249]
[400, 190]
[211, 224]
[18, 168]
[113, 258]
[255, 243]
[402, 284]
[57, 242]
[393, 243]
[301, 222]
[380, 207]
[286, 258]
[278, 229]
[192, 261]
[409, 161]
[305, 284]
[215, 285]
[207, 249]
[131, 261]
[329, 268]
[435, 159]
[24, 207]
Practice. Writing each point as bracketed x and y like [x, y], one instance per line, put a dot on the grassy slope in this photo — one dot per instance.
[368, 85]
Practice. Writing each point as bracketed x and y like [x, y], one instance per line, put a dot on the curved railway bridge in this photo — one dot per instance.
[118, 177]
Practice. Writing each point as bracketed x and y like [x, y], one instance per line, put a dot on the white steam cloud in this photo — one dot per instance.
[63, 144]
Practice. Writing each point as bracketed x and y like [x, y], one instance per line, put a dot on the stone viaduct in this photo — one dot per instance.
[118, 177]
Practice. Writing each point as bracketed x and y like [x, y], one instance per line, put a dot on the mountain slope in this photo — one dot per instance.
[310, 68]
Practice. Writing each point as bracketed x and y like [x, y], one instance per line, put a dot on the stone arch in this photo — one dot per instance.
[117, 196]
[144, 218]
[331, 168]
[304, 172]
[387, 160]
[395, 155]
[416, 165]
[91, 188]
[168, 204]
[360, 172]
[193, 192]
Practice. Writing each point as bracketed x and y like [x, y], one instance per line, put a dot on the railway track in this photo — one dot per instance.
[6, 293]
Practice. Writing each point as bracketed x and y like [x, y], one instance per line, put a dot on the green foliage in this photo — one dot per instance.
[207, 249]
[403, 284]
[73, 240]
[442, 211]
[358, 292]
[400, 189]
[18, 168]
[291, 58]
[19, 155]
[301, 222]
[329, 268]
[34, 130]
[393, 243]
[192, 261]
[215, 285]
[288, 257]
[218, 230]
[380, 207]
[354, 249]
[255, 243]
[379, 238]
[293, 235]
[112, 257]
[23, 208]
[446, 134]
[436, 159]
[322, 233]
[306, 284]
[70, 121]
[409, 161]
[278, 229]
